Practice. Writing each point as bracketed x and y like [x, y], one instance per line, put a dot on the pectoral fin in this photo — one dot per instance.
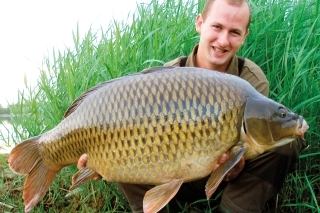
[82, 176]
[156, 198]
[217, 175]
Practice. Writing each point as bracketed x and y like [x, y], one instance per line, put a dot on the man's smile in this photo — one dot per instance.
[218, 50]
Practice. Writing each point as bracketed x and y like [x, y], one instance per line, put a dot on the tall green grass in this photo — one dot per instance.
[284, 40]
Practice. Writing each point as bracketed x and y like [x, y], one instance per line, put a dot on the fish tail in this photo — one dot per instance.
[25, 158]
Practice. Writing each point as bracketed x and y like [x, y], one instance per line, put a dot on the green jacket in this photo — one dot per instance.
[250, 72]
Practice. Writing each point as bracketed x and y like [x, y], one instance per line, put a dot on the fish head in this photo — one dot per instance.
[269, 124]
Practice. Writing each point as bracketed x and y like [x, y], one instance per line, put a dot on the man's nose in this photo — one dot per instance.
[223, 39]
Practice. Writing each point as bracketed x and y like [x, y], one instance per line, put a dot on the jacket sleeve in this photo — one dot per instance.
[174, 62]
[256, 77]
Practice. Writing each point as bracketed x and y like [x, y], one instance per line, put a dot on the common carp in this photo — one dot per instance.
[162, 126]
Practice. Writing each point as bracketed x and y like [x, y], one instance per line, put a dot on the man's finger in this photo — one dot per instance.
[82, 161]
[223, 158]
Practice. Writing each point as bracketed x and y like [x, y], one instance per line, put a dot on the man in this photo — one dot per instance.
[223, 28]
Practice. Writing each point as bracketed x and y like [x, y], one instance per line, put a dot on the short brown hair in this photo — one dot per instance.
[208, 4]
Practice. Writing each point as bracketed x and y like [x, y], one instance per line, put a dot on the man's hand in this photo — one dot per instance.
[82, 161]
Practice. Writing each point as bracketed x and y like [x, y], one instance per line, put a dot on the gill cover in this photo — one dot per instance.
[268, 124]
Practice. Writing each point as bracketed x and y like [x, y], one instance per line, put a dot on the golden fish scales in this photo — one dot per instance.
[150, 129]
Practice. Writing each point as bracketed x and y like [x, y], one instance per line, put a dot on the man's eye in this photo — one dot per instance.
[236, 33]
[216, 26]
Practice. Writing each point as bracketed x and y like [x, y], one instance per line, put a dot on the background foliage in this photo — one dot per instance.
[284, 40]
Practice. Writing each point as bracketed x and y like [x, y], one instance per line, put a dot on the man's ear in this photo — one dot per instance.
[199, 21]
[245, 36]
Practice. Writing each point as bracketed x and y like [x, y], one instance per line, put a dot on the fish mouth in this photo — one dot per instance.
[302, 127]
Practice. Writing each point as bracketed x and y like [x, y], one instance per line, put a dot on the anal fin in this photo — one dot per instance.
[82, 176]
[217, 175]
[156, 198]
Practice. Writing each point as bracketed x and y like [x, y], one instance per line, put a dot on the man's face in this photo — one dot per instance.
[222, 33]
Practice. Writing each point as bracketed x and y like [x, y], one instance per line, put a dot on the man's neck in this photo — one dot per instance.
[209, 66]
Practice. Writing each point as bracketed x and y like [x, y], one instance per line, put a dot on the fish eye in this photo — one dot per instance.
[282, 112]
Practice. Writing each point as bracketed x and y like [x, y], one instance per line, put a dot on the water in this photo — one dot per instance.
[6, 140]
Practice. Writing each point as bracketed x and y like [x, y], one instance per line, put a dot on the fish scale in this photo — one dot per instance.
[144, 124]
[172, 132]
[163, 126]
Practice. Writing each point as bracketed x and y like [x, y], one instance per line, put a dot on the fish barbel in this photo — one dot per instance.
[163, 126]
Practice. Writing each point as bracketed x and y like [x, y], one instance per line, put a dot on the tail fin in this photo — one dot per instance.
[25, 159]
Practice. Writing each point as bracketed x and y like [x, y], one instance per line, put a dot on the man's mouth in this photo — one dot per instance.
[218, 50]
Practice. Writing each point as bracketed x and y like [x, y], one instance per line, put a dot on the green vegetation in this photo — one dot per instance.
[4, 111]
[284, 40]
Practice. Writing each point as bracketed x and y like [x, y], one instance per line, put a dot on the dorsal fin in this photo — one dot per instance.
[156, 69]
[79, 100]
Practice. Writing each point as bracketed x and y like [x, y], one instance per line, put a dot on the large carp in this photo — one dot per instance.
[163, 126]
